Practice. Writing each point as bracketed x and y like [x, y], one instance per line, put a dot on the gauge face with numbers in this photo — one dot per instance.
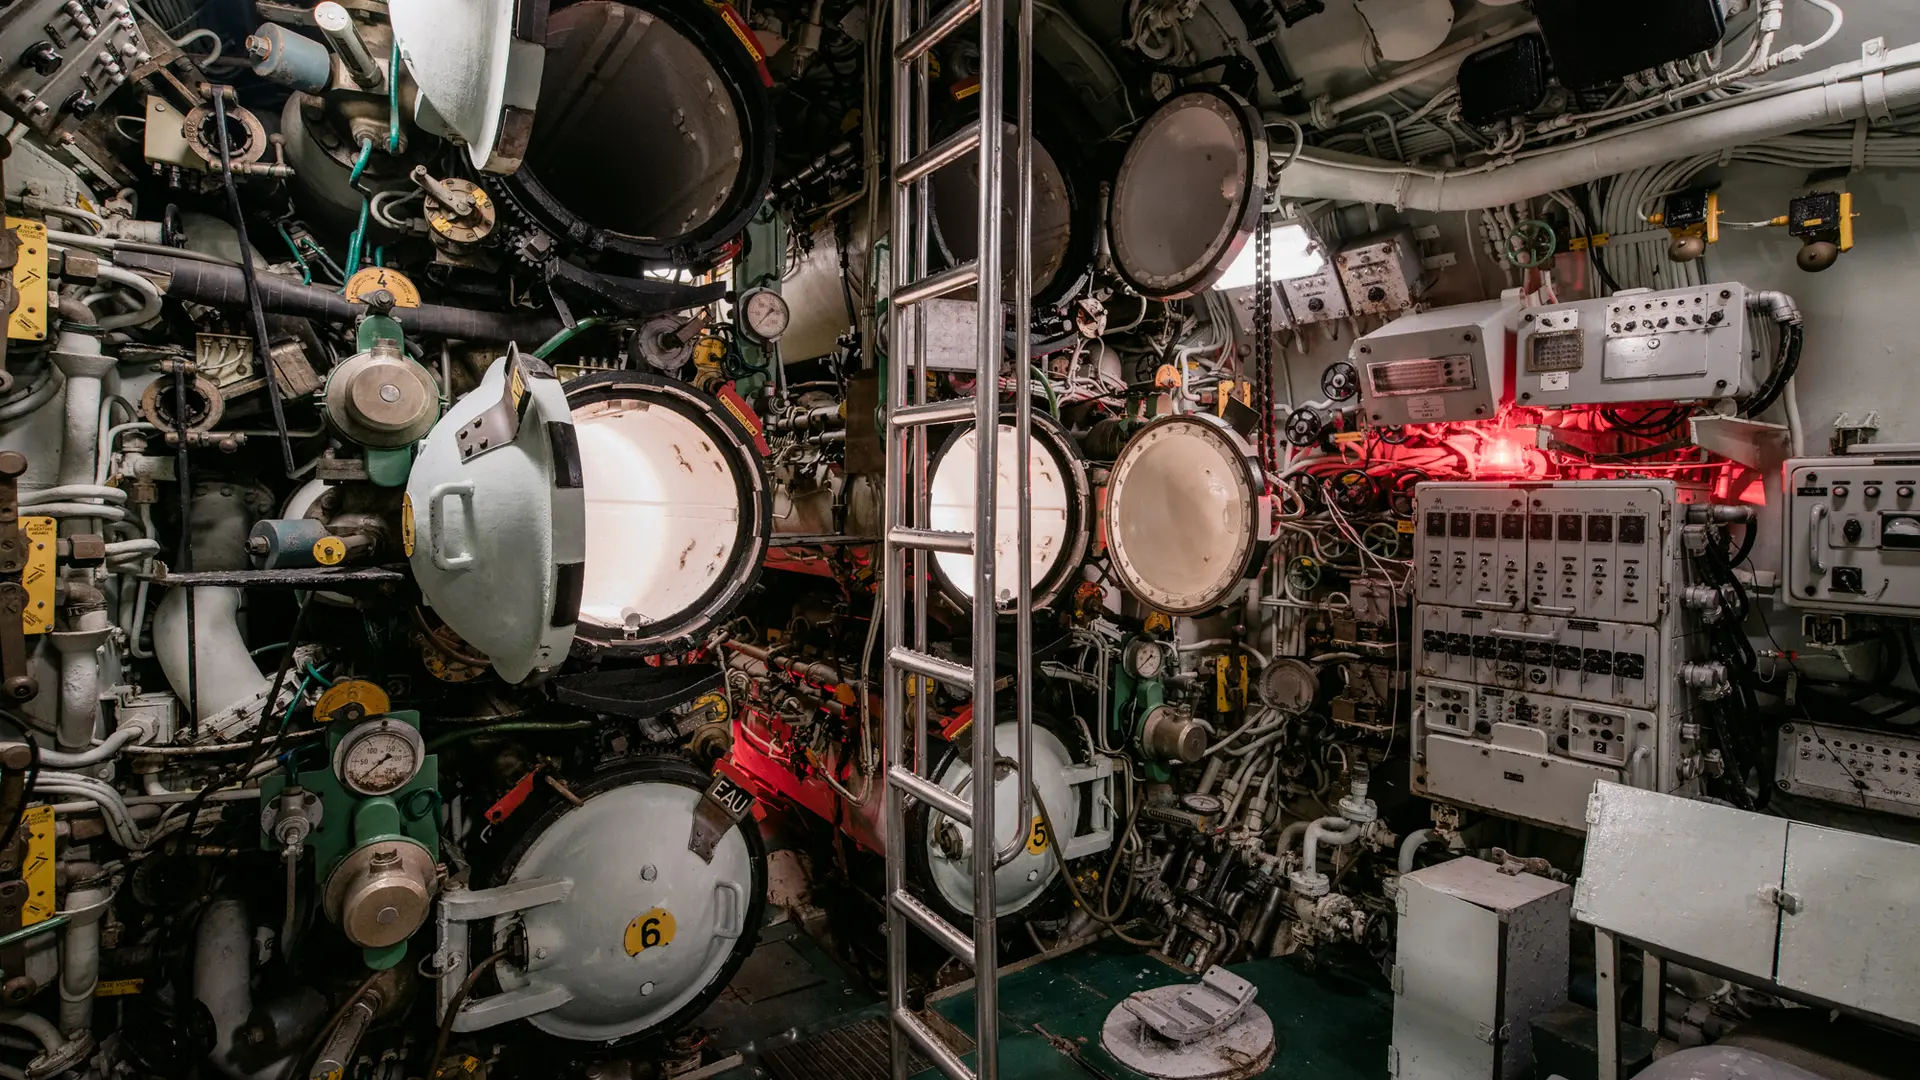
[379, 757]
[764, 314]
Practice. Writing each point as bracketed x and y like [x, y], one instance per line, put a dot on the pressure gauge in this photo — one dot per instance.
[1144, 659]
[763, 315]
[379, 757]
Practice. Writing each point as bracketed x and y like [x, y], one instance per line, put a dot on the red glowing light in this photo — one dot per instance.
[1501, 455]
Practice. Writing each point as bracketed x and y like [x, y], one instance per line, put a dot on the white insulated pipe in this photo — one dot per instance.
[1838, 95]
[226, 676]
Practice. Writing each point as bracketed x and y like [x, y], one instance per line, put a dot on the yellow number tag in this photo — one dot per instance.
[1037, 838]
[406, 525]
[649, 930]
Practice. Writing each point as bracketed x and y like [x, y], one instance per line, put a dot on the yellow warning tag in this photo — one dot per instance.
[118, 987]
[29, 319]
[516, 386]
[1037, 838]
[1349, 436]
[406, 525]
[649, 930]
[1405, 527]
[37, 871]
[38, 576]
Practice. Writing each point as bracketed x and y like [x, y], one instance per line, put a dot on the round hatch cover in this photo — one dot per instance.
[1182, 506]
[1189, 191]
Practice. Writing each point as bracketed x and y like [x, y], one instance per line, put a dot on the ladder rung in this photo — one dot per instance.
[955, 675]
[932, 794]
[933, 412]
[952, 279]
[937, 1052]
[945, 22]
[937, 928]
[945, 152]
[954, 543]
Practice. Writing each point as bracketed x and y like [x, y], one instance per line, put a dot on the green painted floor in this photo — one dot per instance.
[1328, 1027]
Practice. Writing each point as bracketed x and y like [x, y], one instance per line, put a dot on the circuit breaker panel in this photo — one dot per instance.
[1548, 645]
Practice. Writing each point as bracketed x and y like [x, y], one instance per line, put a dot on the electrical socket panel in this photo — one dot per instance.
[1690, 344]
[1383, 273]
[1441, 366]
[1867, 770]
[1316, 298]
[1853, 534]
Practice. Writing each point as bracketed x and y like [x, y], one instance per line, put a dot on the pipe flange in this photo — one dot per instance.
[204, 404]
[382, 893]
[203, 138]
[1309, 883]
[1359, 809]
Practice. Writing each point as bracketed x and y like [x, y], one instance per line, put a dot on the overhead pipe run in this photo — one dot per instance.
[1874, 88]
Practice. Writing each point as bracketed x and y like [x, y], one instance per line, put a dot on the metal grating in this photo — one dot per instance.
[857, 1052]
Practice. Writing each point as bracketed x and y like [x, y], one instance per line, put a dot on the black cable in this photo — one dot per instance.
[1593, 240]
[1792, 336]
[261, 344]
[26, 789]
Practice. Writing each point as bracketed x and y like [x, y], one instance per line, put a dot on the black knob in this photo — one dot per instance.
[1316, 304]
[380, 302]
[80, 105]
[1851, 530]
[42, 57]
[1376, 294]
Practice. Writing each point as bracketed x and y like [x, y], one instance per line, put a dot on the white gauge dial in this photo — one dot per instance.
[764, 314]
[379, 757]
[1146, 659]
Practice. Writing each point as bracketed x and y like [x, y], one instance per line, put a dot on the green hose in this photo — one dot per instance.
[566, 334]
[360, 231]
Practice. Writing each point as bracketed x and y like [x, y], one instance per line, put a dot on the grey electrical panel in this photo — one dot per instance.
[1679, 345]
[1438, 366]
[1382, 273]
[1853, 534]
[1548, 645]
[1480, 953]
[1316, 297]
[1243, 301]
[1867, 770]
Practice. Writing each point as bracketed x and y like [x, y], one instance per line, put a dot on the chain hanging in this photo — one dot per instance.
[1263, 347]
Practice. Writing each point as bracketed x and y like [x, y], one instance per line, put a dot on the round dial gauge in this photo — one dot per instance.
[1145, 660]
[764, 314]
[379, 757]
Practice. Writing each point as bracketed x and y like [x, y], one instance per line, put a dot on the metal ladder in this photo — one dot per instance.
[910, 543]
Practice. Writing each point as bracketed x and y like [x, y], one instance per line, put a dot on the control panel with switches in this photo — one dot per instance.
[67, 56]
[1548, 645]
[1853, 534]
[1594, 552]
[1315, 298]
[1639, 345]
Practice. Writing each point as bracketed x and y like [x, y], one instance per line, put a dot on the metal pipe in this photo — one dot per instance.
[217, 285]
[1447, 60]
[1834, 96]
[344, 1044]
[1334, 831]
[80, 957]
[344, 36]
[894, 569]
[991, 340]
